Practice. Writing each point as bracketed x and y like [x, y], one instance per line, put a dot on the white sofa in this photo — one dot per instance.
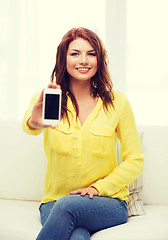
[22, 173]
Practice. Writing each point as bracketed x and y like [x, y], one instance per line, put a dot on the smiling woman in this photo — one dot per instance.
[82, 55]
[81, 60]
[81, 64]
[84, 186]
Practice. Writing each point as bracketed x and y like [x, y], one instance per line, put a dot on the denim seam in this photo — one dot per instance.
[93, 211]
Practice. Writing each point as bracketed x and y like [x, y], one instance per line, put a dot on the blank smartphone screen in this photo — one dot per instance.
[52, 106]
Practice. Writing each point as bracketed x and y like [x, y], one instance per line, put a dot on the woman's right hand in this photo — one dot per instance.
[35, 121]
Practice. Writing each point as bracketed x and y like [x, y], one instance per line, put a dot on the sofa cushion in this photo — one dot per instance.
[23, 163]
[20, 220]
[151, 226]
[155, 174]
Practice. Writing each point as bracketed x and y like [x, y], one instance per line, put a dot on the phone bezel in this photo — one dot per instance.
[55, 91]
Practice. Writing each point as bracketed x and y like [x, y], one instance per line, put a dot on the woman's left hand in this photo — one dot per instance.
[91, 191]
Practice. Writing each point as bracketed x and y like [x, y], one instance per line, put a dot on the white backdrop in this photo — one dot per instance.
[135, 34]
[147, 60]
[30, 32]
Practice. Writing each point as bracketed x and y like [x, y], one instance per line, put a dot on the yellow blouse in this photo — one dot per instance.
[81, 156]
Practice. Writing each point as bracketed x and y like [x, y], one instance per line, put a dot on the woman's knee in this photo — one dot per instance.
[45, 209]
[68, 204]
[80, 233]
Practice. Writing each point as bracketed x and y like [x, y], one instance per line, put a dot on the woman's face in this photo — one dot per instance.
[81, 60]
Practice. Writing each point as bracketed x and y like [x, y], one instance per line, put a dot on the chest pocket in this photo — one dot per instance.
[101, 141]
[61, 140]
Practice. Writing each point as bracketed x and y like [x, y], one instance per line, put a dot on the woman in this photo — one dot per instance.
[84, 188]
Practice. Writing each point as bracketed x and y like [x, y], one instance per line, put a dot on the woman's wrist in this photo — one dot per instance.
[29, 124]
[94, 188]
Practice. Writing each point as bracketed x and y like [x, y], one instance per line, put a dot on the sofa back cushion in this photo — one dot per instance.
[155, 174]
[23, 164]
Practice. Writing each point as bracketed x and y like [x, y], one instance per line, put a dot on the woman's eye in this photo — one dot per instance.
[74, 54]
[92, 54]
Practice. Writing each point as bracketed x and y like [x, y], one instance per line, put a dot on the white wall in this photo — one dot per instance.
[116, 41]
[135, 34]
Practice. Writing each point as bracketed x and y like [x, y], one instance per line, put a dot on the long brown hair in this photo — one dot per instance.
[101, 83]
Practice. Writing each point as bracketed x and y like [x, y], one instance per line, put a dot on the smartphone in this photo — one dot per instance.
[51, 106]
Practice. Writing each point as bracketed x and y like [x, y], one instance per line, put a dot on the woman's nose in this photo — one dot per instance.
[83, 59]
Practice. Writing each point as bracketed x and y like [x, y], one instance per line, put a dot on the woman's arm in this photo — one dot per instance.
[133, 163]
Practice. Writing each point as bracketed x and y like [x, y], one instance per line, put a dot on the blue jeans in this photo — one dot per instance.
[74, 217]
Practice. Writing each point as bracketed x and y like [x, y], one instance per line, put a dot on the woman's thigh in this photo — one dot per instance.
[93, 214]
[97, 213]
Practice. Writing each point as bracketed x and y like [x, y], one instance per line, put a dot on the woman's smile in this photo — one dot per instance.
[83, 70]
[81, 60]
